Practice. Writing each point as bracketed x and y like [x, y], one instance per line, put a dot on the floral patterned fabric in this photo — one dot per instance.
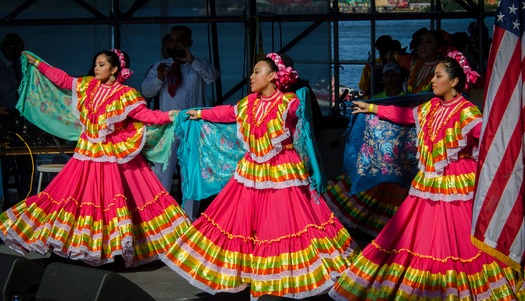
[379, 151]
[208, 154]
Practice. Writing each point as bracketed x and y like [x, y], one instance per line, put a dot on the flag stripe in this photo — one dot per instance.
[498, 211]
[513, 226]
[502, 156]
[504, 84]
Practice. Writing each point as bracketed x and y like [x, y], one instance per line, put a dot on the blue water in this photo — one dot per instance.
[71, 48]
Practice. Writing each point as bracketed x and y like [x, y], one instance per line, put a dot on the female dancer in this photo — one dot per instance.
[370, 207]
[106, 201]
[424, 252]
[267, 228]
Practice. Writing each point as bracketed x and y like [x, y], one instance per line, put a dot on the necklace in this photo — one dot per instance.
[265, 113]
[430, 123]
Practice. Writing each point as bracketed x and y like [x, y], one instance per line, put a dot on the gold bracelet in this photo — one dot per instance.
[199, 114]
[371, 108]
[36, 62]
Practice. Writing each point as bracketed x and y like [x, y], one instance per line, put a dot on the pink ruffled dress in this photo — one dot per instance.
[106, 201]
[267, 228]
[424, 252]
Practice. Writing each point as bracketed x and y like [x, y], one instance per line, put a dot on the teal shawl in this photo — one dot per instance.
[49, 108]
[208, 152]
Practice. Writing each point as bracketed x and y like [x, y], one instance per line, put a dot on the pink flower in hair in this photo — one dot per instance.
[285, 77]
[125, 73]
[472, 76]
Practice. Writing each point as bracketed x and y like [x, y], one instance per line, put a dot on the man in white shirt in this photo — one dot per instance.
[180, 82]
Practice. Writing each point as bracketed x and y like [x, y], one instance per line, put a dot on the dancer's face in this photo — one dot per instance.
[103, 69]
[262, 77]
[442, 84]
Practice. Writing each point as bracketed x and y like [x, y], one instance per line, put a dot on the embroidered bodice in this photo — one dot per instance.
[265, 126]
[445, 132]
[447, 144]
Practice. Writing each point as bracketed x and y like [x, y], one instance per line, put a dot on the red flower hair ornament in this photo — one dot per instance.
[285, 77]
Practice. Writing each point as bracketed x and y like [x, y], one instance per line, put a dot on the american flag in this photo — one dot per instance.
[498, 215]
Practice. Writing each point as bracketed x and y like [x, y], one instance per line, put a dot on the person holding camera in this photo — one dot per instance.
[180, 82]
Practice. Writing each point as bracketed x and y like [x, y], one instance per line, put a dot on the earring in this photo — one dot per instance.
[112, 78]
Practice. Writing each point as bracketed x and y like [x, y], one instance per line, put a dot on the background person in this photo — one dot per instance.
[180, 83]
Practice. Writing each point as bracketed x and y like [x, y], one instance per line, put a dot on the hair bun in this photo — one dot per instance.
[285, 76]
[125, 73]
[471, 75]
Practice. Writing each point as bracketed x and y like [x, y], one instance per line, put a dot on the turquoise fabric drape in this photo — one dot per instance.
[208, 152]
[49, 107]
[45, 105]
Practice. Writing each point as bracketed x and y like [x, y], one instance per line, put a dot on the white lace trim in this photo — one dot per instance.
[235, 273]
[269, 184]
[451, 291]
[198, 284]
[440, 196]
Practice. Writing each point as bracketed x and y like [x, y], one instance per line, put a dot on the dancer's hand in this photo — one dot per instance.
[194, 114]
[31, 59]
[172, 114]
[363, 107]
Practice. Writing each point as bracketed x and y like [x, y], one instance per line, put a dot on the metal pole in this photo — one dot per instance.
[215, 49]
[334, 85]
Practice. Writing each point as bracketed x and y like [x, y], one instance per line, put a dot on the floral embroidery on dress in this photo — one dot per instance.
[216, 163]
[388, 149]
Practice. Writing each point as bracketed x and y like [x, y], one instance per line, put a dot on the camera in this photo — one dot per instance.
[177, 52]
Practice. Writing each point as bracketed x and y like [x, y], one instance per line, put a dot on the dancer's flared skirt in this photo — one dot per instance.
[93, 211]
[425, 253]
[369, 210]
[283, 242]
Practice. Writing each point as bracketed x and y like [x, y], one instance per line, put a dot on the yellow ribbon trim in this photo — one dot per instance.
[496, 254]
[78, 204]
[397, 251]
[258, 241]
